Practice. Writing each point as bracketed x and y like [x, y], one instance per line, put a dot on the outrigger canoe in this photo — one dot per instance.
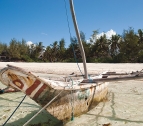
[75, 97]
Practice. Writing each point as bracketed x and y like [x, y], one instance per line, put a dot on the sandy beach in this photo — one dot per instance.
[122, 107]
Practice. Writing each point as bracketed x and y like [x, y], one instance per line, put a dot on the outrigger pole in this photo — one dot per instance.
[79, 39]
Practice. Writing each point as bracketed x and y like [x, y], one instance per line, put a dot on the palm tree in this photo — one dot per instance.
[48, 54]
[62, 50]
[93, 37]
[86, 46]
[129, 46]
[32, 52]
[114, 45]
[140, 44]
[73, 50]
[102, 44]
[40, 50]
[24, 50]
[55, 51]
[140, 33]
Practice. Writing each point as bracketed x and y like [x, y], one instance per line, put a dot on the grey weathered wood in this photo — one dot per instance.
[113, 79]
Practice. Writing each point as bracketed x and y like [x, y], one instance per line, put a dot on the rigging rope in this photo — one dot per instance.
[14, 111]
[72, 98]
[70, 39]
[72, 102]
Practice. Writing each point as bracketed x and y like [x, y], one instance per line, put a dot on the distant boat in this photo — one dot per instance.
[68, 98]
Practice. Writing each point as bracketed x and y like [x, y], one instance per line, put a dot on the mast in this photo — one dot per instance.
[79, 39]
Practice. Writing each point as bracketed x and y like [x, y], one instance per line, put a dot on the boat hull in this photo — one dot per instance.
[62, 108]
[73, 100]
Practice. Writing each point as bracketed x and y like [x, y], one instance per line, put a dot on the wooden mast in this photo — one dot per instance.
[79, 39]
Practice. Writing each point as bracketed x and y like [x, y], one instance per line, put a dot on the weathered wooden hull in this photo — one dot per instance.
[74, 98]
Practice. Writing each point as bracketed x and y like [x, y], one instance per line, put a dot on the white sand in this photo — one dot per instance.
[123, 107]
[67, 68]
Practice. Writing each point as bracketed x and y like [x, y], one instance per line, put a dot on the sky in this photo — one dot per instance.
[46, 21]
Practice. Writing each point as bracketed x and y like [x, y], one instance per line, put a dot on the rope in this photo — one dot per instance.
[42, 108]
[72, 102]
[70, 39]
[72, 99]
[14, 111]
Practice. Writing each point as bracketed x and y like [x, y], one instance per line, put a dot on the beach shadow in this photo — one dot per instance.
[104, 103]
[12, 100]
[100, 113]
[43, 119]
[113, 116]
[116, 118]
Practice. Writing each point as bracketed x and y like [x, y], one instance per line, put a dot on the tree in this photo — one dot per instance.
[32, 48]
[140, 35]
[48, 54]
[3, 47]
[62, 50]
[39, 50]
[86, 46]
[114, 45]
[14, 50]
[101, 45]
[55, 51]
[36, 51]
[73, 51]
[99, 48]
[24, 51]
[129, 46]
[140, 44]
[93, 37]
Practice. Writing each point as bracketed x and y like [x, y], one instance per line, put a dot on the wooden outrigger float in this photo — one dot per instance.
[65, 98]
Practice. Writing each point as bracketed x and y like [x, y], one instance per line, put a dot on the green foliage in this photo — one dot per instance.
[13, 49]
[140, 56]
[118, 49]
[114, 45]
[101, 47]
[3, 47]
[129, 46]
[26, 58]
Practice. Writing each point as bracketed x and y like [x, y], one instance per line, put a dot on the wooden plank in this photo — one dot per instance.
[113, 79]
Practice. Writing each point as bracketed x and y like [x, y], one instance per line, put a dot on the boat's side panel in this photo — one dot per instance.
[79, 101]
[30, 85]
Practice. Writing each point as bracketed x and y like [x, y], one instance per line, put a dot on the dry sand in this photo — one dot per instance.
[123, 107]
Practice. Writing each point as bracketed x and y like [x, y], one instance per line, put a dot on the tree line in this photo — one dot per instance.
[125, 48]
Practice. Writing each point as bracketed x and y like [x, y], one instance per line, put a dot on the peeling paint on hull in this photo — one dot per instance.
[77, 99]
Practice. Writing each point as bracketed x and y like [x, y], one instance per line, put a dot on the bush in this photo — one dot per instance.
[26, 58]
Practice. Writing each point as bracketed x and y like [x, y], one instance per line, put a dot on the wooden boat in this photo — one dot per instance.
[65, 98]
[74, 98]
[71, 96]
